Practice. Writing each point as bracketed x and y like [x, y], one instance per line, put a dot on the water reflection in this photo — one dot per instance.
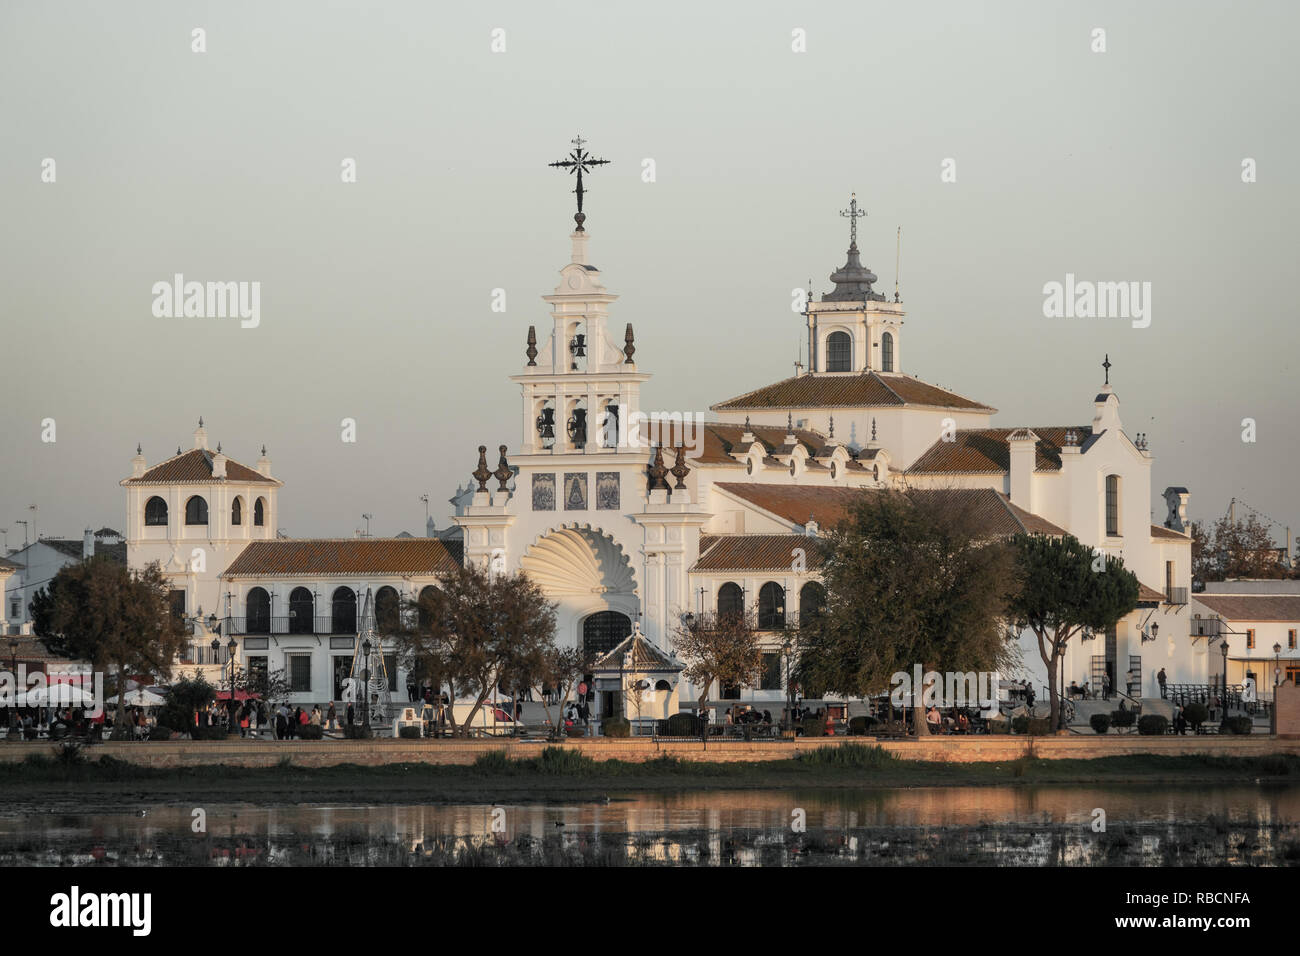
[1028, 826]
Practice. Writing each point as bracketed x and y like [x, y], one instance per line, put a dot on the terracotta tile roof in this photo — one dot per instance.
[33, 650]
[1149, 595]
[755, 552]
[985, 451]
[645, 656]
[330, 556]
[828, 505]
[196, 465]
[1158, 531]
[865, 390]
[73, 547]
[1253, 607]
[721, 439]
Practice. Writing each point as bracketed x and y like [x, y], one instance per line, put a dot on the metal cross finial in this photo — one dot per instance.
[853, 214]
[1106, 366]
[579, 162]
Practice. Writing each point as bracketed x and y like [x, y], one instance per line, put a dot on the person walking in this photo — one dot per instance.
[331, 718]
[279, 724]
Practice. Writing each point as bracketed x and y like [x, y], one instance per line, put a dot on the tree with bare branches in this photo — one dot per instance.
[718, 647]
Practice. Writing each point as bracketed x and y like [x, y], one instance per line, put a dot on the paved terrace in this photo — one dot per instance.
[266, 753]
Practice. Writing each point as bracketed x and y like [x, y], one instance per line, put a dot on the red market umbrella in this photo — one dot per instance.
[239, 695]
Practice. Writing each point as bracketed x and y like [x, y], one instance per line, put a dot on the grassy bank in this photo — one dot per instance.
[556, 773]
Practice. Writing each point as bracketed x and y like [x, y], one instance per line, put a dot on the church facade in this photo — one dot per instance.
[633, 519]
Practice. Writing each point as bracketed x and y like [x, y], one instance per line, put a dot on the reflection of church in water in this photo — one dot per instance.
[625, 522]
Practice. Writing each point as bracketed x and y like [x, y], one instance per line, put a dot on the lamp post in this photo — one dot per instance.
[365, 677]
[13, 669]
[1277, 667]
[231, 648]
[1223, 649]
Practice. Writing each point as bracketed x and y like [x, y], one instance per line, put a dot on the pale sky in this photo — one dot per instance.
[225, 165]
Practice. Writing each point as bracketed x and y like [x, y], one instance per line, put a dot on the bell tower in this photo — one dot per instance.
[854, 329]
[581, 386]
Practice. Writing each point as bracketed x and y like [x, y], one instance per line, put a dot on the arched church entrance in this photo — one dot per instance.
[602, 631]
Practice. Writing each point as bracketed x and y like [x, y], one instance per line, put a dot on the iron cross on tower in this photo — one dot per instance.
[579, 161]
[853, 214]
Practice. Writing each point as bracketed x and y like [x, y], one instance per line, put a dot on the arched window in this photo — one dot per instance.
[388, 610]
[731, 599]
[196, 511]
[603, 631]
[302, 608]
[258, 608]
[259, 512]
[1112, 506]
[428, 596]
[343, 611]
[155, 512]
[771, 606]
[812, 600]
[237, 510]
[839, 352]
[887, 352]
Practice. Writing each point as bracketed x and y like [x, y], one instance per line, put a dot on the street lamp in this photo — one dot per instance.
[13, 669]
[1223, 649]
[1277, 667]
[365, 676]
[231, 648]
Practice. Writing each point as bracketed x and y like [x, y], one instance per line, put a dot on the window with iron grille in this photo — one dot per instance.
[299, 672]
[731, 599]
[155, 512]
[1250, 638]
[771, 679]
[839, 352]
[1112, 506]
[886, 353]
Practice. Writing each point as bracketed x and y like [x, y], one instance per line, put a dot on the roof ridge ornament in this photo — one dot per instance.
[579, 161]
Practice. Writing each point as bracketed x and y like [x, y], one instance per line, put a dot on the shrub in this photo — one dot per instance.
[616, 727]
[1196, 714]
[317, 732]
[406, 733]
[1122, 718]
[999, 726]
[860, 726]
[1033, 726]
[1100, 722]
[682, 725]
[1152, 725]
[813, 727]
[849, 755]
[493, 761]
[559, 761]
[1020, 725]
[160, 732]
[70, 753]
[1238, 725]
[215, 732]
[356, 732]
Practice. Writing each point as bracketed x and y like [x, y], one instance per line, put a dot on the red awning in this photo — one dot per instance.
[239, 695]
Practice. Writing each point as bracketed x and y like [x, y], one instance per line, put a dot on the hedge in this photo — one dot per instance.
[1100, 722]
[1238, 725]
[682, 725]
[616, 727]
[1153, 725]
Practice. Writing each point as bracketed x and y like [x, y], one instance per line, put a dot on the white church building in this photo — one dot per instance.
[632, 518]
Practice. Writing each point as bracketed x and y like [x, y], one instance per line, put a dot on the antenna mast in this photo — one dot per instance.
[898, 259]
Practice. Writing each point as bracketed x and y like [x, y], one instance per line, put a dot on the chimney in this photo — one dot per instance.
[1024, 458]
[1176, 501]
[219, 464]
[88, 544]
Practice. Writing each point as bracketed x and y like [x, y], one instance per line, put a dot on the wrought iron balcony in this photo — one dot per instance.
[291, 624]
[1175, 595]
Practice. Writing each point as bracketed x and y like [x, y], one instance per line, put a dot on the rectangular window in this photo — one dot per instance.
[14, 607]
[1290, 639]
[177, 599]
[1112, 506]
[771, 672]
[257, 673]
[342, 670]
[390, 665]
[299, 672]
[1293, 673]
[1250, 638]
[256, 643]
[342, 643]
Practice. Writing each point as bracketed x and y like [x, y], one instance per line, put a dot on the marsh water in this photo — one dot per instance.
[1012, 826]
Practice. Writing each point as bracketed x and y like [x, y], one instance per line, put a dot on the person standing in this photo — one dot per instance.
[1160, 679]
[1105, 686]
[331, 718]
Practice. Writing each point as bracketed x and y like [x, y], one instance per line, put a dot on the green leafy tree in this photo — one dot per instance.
[1236, 549]
[562, 668]
[185, 696]
[911, 578]
[97, 610]
[480, 631]
[718, 647]
[1065, 589]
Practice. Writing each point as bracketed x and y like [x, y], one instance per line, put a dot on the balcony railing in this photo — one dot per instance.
[203, 654]
[1175, 595]
[291, 624]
